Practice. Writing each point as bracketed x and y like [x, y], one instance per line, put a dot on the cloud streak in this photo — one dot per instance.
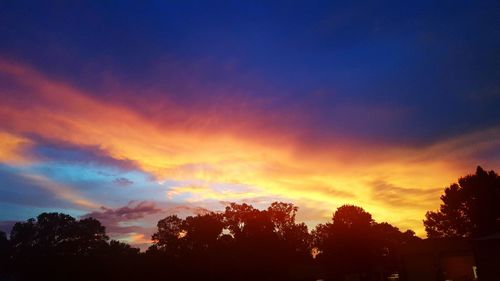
[61, 191]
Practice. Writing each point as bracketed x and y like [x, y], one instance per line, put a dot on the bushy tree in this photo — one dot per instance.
[249, 242]
[202, 231]
[354, 243]
[56, 246]
[56, 233]
[470, 208]
[166, 238]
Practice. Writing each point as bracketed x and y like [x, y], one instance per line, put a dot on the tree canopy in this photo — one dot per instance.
[354, 243]
[56, 246]
[59, 234]
[247, 240]
[470, 208]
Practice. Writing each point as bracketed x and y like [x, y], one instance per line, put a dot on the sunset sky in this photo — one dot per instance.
[129, 112]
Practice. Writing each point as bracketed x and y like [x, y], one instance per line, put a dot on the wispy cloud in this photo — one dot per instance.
[61, 191]
[404, 197]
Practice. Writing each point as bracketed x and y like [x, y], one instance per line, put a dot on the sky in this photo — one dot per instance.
[130, 111]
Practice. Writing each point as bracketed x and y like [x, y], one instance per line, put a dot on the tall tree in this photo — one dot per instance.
[243, 220]
[470, 208]
[170, 229]
[345, 244]
[354, 243]
[293, 237]
[192, 235]
[282, 215]
[202, 231]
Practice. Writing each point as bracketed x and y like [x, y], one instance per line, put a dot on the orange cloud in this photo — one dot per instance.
[201, 145]
[138, 240]
[12, 148]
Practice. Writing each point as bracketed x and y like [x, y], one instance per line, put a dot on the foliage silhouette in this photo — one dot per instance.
[242, 243]
[470, 208]
[354, 244]
[56, 246]
[58, 234]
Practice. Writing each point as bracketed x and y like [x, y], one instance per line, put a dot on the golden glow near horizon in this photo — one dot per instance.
[395, 184]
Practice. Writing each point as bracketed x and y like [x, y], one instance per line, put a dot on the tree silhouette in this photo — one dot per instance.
[202, 231]
[4, 243]
[4, 255]
[56, 246]
[470, 208]
[244, 221]
[353, 243]
[282, 215]
[348, 242]
[167, 237]
[56, 233]
[117, 248]
[241, 243]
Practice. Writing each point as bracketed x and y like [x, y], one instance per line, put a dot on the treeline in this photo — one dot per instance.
[242, 242]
